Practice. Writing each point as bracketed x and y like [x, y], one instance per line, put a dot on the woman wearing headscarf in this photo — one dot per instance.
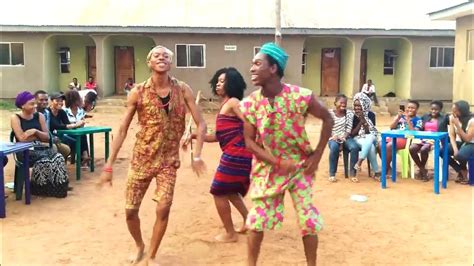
[461, 136]
[364, 133]
[49, 176]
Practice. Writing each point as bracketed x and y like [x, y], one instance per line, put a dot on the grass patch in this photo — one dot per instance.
[7, 104]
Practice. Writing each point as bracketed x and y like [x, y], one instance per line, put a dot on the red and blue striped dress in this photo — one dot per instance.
[233, 173]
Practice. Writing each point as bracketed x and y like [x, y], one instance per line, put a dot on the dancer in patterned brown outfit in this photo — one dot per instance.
[161, 104]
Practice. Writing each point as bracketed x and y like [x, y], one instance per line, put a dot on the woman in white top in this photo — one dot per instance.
[461, 136]
[340, 138]
[365, 133]
[76, 114]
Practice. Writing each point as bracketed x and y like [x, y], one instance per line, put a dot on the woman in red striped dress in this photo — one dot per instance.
[232, 179]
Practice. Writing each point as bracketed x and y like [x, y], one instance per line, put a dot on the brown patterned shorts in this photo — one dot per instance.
[138, 182]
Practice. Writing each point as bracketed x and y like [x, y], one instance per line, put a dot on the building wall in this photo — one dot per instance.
[463, 68]
[312, 77]
[141, 46]
[14, 79]
[78, 68]
[50, 65]
[54, 80]
[347, 68]
[430, 83]
[216, 57]
[108, 73]
[375, 62]
[403, 69]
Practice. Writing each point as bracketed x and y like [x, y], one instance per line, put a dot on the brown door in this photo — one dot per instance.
[363, 68]
[91, 63]
[330, 65]
[124, 67]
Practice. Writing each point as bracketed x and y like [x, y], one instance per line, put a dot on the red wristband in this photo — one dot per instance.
[108, 169]
[278, 164]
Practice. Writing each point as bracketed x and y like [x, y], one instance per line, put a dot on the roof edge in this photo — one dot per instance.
[453, 12]
[222, 30]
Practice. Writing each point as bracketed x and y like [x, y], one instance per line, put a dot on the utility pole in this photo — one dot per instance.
[278, 22]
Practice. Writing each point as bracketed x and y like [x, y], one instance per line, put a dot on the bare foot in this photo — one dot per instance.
[136, 258]
[241, 230]
[152, 262]
[226, 238]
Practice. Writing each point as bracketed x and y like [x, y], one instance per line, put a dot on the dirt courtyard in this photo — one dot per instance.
[405, 224]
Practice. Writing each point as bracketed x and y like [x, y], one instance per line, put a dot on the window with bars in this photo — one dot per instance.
[389, 62]
[441, 57]
[12, 54]
[64, 59]
[190, 55]
[303, 61]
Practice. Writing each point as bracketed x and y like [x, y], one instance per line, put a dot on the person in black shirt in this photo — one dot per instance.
[59, 121]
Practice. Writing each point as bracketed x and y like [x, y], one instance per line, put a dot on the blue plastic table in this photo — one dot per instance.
[8, 148]
[436, 136]
[76, 134]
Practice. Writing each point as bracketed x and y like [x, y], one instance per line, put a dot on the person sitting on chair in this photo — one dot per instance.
[430, 122]
[405, 120]
[369, 90]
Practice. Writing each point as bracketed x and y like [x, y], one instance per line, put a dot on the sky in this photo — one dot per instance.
[351, 14]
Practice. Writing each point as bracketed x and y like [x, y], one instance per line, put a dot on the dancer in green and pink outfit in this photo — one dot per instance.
[284, 159]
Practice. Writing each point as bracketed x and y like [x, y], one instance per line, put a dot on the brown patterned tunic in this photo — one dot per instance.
[156, 150]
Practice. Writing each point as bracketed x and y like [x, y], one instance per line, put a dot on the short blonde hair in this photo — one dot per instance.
[168, 51]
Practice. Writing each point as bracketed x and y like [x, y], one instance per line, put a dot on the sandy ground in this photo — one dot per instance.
[405, 224]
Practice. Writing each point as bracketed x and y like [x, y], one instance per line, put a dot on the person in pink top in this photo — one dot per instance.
[91, 84]
[420, 149]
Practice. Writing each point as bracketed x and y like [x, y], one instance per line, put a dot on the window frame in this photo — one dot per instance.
[393, 63]
[10, 54]
[304, 61]
[470, 42]
[65, 50]
[255, 52]
[437, 52]
[188, 59]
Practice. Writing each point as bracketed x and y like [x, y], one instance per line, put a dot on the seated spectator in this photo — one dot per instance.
[74, 85]
[405, 120]
[42, 102]
[89, 98]
[461, 136]
[365, 133]
[90, 84]
[59, 119]
[42, 107]
[430, 122]
[340, 137]
[76, 115]
[49, 170]
[369, 90]
[129, 86]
